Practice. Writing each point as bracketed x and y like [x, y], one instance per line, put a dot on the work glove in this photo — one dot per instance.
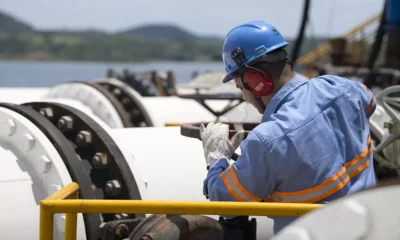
[216, 142]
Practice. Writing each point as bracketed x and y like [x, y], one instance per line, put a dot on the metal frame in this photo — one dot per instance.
[322, 49]
[66, 201]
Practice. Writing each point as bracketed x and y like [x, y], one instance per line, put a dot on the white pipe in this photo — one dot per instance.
[173, 109]
[20, 94]
[371, 214]
[161, 110]
[169, 166]
[90, 97]
[165, 165]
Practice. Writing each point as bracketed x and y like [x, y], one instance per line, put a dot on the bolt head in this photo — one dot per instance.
[65, 123]
[116, 91]
[122, 230]
[100, 160]
[9, 127]
[84, 138]
[44, 164]
[113, 188]
[47, 112]
[27, 142]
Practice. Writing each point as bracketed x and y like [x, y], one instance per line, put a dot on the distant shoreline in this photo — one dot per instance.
[100, 62]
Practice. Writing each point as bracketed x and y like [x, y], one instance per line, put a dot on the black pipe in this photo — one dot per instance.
[376, 46]
[300, 36]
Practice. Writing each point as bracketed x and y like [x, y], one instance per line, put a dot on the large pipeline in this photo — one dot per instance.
[120, 106]
[368, 215]
[46, 145]
[49, 142]
[44, 152]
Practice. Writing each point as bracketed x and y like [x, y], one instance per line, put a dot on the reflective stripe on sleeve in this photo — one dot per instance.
[329, 186]
[235, 188]
[372, 103]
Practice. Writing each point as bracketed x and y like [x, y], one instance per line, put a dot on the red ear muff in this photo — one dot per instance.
[260, 83]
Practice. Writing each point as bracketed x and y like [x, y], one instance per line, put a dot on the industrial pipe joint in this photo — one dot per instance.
[43, 155]
[49, 144]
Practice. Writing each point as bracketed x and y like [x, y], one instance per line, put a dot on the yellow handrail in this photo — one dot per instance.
[326, 47]
[57, 204]
[46, 215]
[172, 124]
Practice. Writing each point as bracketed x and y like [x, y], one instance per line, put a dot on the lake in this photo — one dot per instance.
[48, 74]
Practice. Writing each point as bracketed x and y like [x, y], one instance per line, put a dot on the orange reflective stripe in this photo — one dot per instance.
[229, 187]
[235, 188]
[241, 188]
[329, 186]
[372, 103]
[364, 153]
[361, 167]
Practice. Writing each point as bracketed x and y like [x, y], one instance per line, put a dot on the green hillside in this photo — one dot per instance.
[18, 40]
[10, 24]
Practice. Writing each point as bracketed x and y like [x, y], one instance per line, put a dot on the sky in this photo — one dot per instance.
[205, 17]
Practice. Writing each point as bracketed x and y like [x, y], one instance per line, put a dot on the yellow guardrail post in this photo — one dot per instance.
[182, 207]
[66, 201]
[172, 124]
[71, 221]
[46, 223]
[47, 213]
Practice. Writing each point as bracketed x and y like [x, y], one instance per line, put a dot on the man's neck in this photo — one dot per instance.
[287, 75]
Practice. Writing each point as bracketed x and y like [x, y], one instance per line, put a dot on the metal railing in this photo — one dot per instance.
[66, 201]
[48, 208]
[172, 124]
[324, 49]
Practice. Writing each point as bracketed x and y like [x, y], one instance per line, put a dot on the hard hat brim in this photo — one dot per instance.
[227, 78]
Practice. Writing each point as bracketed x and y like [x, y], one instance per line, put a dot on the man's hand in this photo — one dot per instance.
[216, 142]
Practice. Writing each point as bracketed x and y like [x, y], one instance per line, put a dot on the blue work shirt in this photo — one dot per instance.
[312, 146]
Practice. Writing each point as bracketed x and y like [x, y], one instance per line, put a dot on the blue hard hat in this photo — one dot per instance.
[255, 39]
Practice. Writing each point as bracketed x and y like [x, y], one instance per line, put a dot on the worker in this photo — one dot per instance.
[313, 144]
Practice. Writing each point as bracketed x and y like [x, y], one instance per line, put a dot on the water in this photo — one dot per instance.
[48, 74]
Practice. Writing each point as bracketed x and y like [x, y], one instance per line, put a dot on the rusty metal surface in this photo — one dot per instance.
[178, 227]
[379, 77]
[192, 130]
[117, 229]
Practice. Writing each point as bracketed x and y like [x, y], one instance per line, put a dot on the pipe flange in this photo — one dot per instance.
[130, 101]
[100, 156]
[124, 115]
[48, 152]
[169, 227]
[95, 97]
